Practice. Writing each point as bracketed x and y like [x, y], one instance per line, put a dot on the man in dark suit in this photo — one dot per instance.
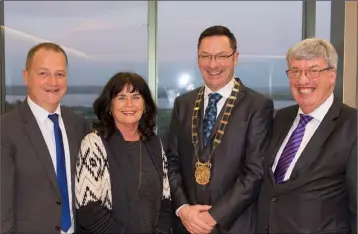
[39, 144]
[215, 166]
[310, 180]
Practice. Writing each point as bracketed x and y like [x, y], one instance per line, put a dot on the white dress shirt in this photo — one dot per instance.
[225, 93]
[318, 115]
[47, 130]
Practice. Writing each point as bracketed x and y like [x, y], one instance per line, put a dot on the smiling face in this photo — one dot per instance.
[127, 108]
[46, 78]
[217, 72]
[310, 93]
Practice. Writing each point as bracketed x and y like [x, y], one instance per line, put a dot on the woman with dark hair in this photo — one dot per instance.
[121, 172]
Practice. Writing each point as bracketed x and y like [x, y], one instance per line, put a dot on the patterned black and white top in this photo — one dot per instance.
[93, 189]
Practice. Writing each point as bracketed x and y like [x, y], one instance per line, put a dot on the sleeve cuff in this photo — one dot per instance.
[177, 211]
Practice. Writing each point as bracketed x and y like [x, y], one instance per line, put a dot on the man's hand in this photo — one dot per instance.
[207, 218]
[189, 216]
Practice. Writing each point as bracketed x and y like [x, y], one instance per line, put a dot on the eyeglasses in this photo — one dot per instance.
[219, 58]
[310, 73]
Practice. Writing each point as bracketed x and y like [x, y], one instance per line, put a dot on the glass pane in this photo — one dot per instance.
[100, 39]
[323, 19]
[264, 31]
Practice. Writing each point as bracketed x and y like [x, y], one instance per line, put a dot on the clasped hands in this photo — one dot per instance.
[197, 219]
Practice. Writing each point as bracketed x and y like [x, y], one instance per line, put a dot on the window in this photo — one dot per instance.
[100, 39]
[264, 30]
[323, 19]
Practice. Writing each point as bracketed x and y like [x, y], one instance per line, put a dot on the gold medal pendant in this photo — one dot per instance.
[202, 173]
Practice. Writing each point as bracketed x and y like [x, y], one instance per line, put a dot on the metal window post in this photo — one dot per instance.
[308, 18]
[152, 48]
[2, 59]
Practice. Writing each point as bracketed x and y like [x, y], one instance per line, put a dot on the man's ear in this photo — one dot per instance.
[333, 75]
[25, 76]
[236, 58]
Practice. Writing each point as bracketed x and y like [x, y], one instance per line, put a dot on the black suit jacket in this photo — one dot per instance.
[236, 163]
[321, 194]
[30, 197]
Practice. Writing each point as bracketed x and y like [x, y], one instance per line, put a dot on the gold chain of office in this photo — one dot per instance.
[203, 169]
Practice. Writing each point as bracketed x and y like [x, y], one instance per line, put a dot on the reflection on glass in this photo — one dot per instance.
[264, 31]
[109, 36]
[100, 39]
[323, 19]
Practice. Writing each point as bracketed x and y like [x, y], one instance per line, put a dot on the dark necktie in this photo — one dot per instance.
[291, 148]
[210, 115]
[61, 174]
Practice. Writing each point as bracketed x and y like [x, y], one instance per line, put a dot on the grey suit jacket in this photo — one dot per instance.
[321, 193]
[30, 197]
[237, 162]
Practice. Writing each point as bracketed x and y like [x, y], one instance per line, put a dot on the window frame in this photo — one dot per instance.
[308, 30]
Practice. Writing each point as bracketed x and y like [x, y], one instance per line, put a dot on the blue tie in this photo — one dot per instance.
[291, 148]
[210, 115]
[61, 174]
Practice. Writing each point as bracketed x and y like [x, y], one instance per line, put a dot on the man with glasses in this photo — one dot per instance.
[310, 180]
[216, 145]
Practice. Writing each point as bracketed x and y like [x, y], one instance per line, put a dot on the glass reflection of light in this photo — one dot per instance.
[190, 87]
[184, 80]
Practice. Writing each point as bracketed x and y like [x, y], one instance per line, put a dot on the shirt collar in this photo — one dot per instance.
[320, 111]
[40, 113]
[224, 91]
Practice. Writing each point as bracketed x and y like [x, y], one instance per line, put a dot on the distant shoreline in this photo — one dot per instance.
[277, 93]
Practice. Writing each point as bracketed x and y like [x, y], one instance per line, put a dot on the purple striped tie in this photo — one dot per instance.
[291, 148]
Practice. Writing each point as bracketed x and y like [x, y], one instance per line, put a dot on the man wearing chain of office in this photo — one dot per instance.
[216, 144]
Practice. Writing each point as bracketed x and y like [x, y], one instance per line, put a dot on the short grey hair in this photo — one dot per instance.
[313, 48]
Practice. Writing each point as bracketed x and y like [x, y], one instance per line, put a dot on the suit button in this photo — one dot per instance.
[58, 202]
[274, 199]
[57, 228]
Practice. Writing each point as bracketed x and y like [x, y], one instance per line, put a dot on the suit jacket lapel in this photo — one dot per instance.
[35, 136]
[201, 115]
[313, 148]
[283, 126]
[200, 144]
[155, 153]
[72, 140]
